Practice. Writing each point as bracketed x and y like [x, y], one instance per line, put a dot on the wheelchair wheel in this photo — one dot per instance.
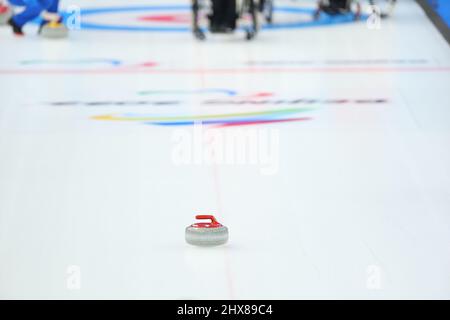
[196, 30]
[199, 34]
[249, 7]
[267, 10]
[250, 34]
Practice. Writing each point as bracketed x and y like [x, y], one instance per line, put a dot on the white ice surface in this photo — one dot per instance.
[360, 188]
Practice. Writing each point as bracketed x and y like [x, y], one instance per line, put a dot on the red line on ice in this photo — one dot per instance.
[119, 70]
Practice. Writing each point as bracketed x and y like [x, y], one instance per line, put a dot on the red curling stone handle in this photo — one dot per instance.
[214, 222]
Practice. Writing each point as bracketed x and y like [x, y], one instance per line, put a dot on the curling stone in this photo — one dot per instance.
[5, 14]
[54, 30]
[206, 233]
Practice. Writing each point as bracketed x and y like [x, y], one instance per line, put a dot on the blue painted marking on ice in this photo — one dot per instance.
[226, 92]
[324, 19]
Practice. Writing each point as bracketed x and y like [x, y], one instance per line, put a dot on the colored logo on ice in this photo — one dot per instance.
[228, 119]
[223, 119]
[269, 108]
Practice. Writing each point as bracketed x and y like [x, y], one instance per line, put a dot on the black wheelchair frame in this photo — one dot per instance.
[244, 8]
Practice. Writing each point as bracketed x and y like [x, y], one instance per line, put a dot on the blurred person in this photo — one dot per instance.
[337, 7]
[5, 12]
[384, 8]
[224, 16]
[33, 9]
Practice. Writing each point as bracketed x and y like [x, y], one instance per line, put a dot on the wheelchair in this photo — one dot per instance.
[238, 12]
[266, 9]
[338, 7]
[382, 8]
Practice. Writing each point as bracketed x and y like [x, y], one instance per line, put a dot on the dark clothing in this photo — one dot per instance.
[33, 8]
[224, 15]
[336, 7]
